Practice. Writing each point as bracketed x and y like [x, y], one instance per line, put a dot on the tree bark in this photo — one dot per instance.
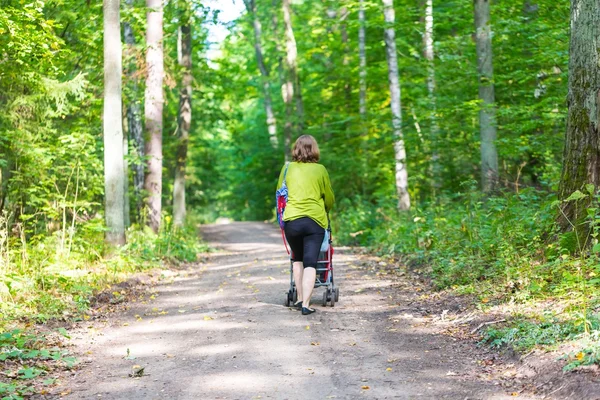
[362, 55]
[184, 122]
[582, 145]
[487, 112]
[292, 85]
[134, 116]
[346, 60]
[153, 112]
[271, 121]
[113, 126]
[126, 205]
[395, 95]
[430, 57]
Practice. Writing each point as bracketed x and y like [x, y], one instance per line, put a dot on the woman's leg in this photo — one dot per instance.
[312, 248]
[295, 237]
[298, 276]
[308, 284]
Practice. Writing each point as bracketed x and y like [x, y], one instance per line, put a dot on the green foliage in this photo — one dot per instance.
[463, 238]
[549, 330]
[29, 348]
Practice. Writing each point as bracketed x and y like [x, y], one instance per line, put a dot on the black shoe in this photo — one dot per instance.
[306, 311]
[297, 306]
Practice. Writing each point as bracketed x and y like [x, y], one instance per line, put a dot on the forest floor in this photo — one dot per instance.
[219, 330]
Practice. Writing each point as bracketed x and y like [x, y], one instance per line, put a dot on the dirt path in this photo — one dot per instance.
[221, 331]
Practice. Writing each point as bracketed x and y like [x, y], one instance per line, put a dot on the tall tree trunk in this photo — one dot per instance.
[346, 60]
[126, 207]
[582, 146]
[134, 116]
[487, 112]
[153, 111]
[293, 90]
[271, 121]
[362, 54]
[113, 126]
[429, 57]
[184, 120]
[394, 81]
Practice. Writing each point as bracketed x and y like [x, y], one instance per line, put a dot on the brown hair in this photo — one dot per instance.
[306, 150]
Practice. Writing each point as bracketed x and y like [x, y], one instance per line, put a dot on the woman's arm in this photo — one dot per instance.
[328, 196]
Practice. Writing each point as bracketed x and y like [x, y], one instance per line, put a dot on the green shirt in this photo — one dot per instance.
[309, 192]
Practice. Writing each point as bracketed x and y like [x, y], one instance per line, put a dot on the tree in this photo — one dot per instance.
[395, 105]
[362, 54]
[582, 145]
[185, 113]
[429, 57]
[292, 89]
[134, 114]
[487, 112]
[153, 111]
[114, 174]
[271, 121]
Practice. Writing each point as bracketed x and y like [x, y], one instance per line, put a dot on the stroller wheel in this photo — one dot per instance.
[336, 292]
[289, 298]
[294, 296]
[325, 298]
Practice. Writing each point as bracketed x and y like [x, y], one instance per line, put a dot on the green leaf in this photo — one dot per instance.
[591, 189]
[575, 196]
[64, 332]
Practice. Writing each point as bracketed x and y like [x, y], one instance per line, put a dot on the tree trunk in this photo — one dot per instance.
[113, 126]
[346, 60]
[429, 57]
[153, 112]
[184, 121]
[126, 209]
[582, 146]
[394, 81]
[271, 121]
[292, 85]
[362, 54]
[134, 116]
[487, 112]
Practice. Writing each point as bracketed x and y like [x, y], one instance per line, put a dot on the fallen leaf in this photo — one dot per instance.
[388, 369]
[207, 318]
[307, 327]
[315, 343]
[271, 278]
[365, 387]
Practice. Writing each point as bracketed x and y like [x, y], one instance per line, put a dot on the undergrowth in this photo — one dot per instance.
[44, 279]
[506, 247]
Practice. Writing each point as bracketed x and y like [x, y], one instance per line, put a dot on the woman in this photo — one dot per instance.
[310, 198]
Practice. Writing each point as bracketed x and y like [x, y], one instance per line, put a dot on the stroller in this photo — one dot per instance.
[324, 279]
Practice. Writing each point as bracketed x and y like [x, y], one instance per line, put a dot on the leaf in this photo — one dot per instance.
[64, 332]
[575, 196]
[365, 387]
[207, 318]
[590, 188]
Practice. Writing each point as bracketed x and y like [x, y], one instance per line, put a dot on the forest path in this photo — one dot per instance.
[220, 331]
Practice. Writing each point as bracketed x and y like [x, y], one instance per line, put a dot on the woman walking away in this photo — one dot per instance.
[310, 198]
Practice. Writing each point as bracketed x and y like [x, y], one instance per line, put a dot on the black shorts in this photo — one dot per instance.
[305, 237]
